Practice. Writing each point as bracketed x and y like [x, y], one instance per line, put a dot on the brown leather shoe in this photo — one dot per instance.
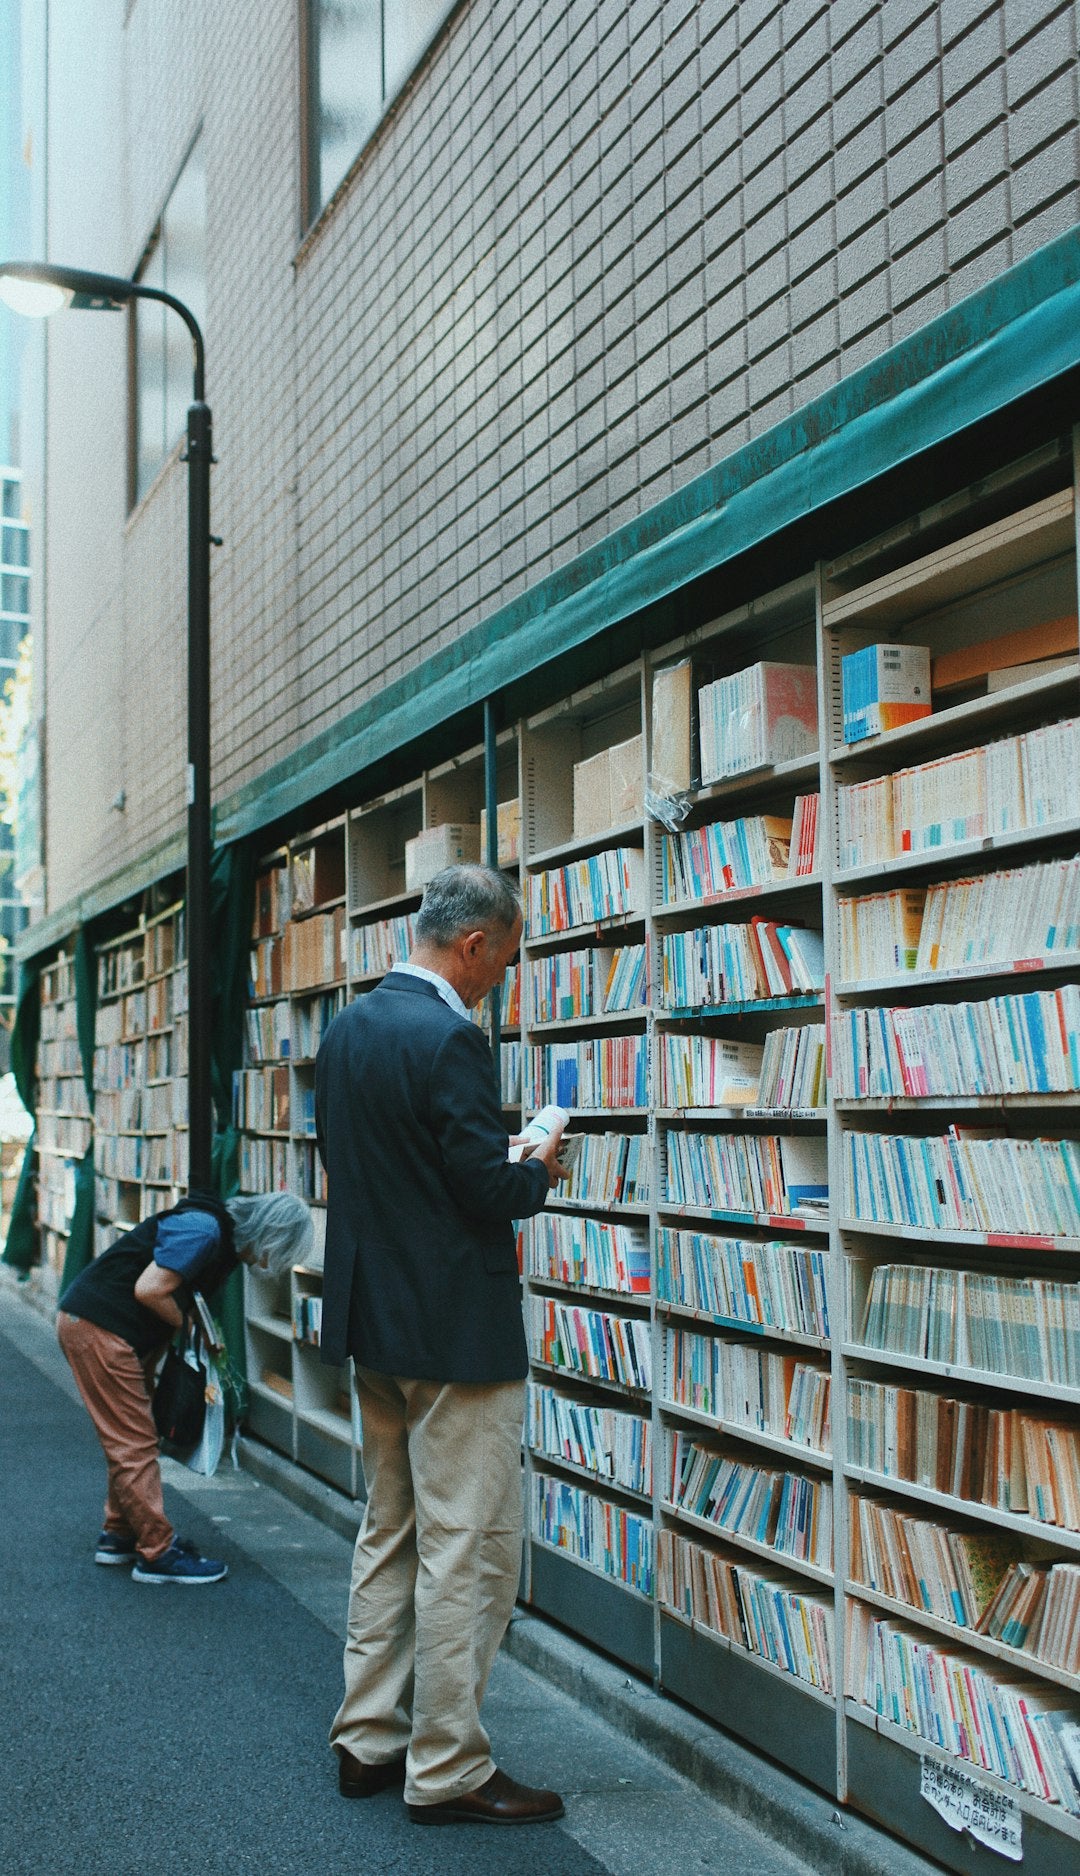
[501, 1801]
[357, 1780]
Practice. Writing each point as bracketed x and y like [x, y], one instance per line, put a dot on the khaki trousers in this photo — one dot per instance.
[435, 1574]
[116, 1384]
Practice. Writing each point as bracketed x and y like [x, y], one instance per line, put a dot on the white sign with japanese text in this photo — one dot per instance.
[989, 1816]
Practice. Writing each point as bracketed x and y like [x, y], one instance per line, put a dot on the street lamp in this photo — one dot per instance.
[39, 289]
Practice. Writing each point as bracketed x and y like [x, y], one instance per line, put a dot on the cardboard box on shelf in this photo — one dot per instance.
[627, 780]
[1051, 638]
[509, 832]
[672, 767]
[435, 847]
[592, 796]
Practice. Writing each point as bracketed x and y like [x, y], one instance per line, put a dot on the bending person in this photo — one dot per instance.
[115, 1320]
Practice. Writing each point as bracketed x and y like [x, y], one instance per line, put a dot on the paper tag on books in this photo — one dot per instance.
[989, 1816]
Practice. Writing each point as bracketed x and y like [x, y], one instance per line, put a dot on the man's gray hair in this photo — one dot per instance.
[461, 899]
[276, 1226]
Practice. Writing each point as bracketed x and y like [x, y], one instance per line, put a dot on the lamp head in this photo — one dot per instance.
[36, 288]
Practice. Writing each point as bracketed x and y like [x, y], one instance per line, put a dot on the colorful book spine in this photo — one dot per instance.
[590, 1342]
[596, 982]
[739, 963]
[380, 944]
[589, 1252]
[773, 1286]
[731, 856]
[610, 1169]
[615, 1445]
[751, 1173]
[594, 891]
[964, 1181]
[756, 1607]
[607, 1072]
[784, 1511]
[1028, 1044]
[594, 1531]
[746, 1385]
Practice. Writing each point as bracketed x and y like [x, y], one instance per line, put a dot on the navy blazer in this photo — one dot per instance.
[421, 1276]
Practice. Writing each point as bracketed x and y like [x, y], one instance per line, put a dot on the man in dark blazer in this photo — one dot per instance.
[421, 1289]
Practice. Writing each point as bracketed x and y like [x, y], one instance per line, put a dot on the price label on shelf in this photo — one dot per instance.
[989, 1816]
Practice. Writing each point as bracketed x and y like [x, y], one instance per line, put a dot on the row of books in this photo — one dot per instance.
[755, 718]
[315, 950]
[271, 908]
[1026, 1044]
[739, 963]
[164, 1104]
[597, 1072]
[118, 1110]
[307, 1319]
[1027, 1327]
[595, 982]
[510, 1057]
[754, 1606]
[310, 1171]
[1017, 782]
[735, 856]
[266, 967]
[167, 1052]
[63, 1094]
[776, 1286]
[120, 968]
[618, 1542]
[264, 1165]
[787, 1071]
[587, 892]
[1022, 1733]
[749, 1386]
[610, 1169]
[748, 1173]
[590, 1342]
[1023, 914]
[123, 1065]
[784, 1511]
[1003, 1457]
[59, 1057]
[590, 1252]
[979, 1580]
[964, 1181]
[617, 1446]
[64, 1133]
[376, 946]
[509, 1001]
[261, 1101]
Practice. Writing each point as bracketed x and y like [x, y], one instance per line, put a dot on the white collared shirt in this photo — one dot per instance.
[446, 990]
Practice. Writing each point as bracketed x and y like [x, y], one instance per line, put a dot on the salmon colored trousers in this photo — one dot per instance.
[116, 1385]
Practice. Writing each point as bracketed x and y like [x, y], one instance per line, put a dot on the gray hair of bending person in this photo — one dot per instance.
[462, 899]
[276, 1228]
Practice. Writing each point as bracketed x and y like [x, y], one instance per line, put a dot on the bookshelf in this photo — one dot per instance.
[812, 1085]
[949, 848]
[64, 1124]
[140, 1073]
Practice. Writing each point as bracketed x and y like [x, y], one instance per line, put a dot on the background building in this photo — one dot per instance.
[547, 342]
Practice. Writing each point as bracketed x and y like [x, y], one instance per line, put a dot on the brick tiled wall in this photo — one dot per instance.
[595, 247]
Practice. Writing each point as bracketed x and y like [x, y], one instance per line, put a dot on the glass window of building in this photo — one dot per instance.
[175, 262]
[359, 55]
[14, 546]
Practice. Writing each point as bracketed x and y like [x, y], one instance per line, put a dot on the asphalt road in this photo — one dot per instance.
[165, 1728]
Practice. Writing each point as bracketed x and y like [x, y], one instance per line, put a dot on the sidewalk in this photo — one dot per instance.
[173, 1728]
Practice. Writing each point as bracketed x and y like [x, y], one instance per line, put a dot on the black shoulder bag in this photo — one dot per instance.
[179, 1399]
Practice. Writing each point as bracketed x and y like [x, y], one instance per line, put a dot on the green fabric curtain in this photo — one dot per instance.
[22, 1248]
[81, 1235]
[80, 1245]
[232, 886]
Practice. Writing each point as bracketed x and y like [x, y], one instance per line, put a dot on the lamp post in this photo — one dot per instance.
[39, 289]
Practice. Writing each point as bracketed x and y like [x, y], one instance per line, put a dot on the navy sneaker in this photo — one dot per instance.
[112, 1549]
[181, 1563]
